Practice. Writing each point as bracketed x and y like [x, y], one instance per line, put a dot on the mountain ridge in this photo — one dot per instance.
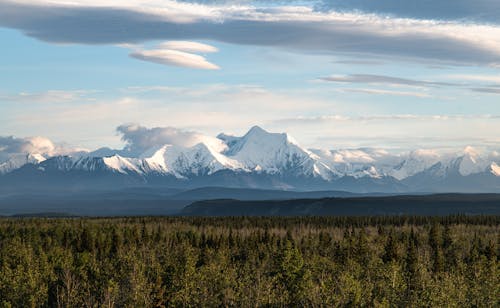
[260, 159]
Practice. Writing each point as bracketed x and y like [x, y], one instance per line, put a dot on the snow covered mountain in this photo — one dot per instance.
[274, 153]
[415, 162]
[201, 159]
[261, 159]
[17, 161]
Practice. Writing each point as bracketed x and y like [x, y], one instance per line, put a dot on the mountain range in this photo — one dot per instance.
[259, 159]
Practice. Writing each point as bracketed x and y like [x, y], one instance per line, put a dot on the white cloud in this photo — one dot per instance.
[472, 77]
[307, 114]
[387, 92]
[38, 145]
[387, 117]
[402, 131]
[12, 146]
[174, 57]
[469, 82]
[177, 53]
[197, 107]
[297, 28]
[188, 46]
[51, 96]
[139, 139]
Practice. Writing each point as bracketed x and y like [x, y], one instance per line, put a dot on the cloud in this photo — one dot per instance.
[208, 107]
[296, 28]
[174, 57]
[39, 145]
[177, 53]
[489, 84]
[402, 143]
[485, 11]
[386, 80]
[389, 117]
[403, 131]
[11, 146]
[469, 82]
[188, 46]
[359, 62]
[487, 90]
[139, 139]
[387, 92]
[471, 77]
[51, 96]
[197, 107]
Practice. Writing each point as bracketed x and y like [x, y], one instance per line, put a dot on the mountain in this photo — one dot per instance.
[468, 172]
[211, 193]
[417, 161]
[431, 205]
[274, 153]
[17, 161]
[138, 200]
[199, 160]
[260, 160]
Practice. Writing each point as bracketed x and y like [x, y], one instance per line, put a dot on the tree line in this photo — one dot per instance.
[250, 262]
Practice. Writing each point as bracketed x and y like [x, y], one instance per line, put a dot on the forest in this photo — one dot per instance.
[401, 261]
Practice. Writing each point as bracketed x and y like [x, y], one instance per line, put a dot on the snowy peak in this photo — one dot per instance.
[370, 171]
[456, 166]
[182, 162]
[154, 159]
[90, 164]
[59, 163]
[276, 157]
[122, 165]
[471, 162]
[113, 163]
[417, 161]
[257, 130]
[17, 161]
[495, 169]
[470, 151]
[229, 140]
[272, 153]
[254, 138]
[199, 160]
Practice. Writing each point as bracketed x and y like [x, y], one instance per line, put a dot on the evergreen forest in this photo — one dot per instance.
[250, 262]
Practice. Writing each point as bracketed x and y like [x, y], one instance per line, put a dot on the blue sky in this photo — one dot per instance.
[334, 74]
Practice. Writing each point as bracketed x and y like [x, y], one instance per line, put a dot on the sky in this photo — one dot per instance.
[334, 74]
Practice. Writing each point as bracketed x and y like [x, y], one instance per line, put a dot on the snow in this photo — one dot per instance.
[229, 140]
[370, 171]
[155, 160]
[198, 160]
[121, 164]
[201, 159]
[495, 169]
[260, 151]
[471, 162]
[270, 151]
[416, 161]
[19, 160]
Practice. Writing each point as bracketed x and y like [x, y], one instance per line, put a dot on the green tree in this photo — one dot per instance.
[293, 275]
